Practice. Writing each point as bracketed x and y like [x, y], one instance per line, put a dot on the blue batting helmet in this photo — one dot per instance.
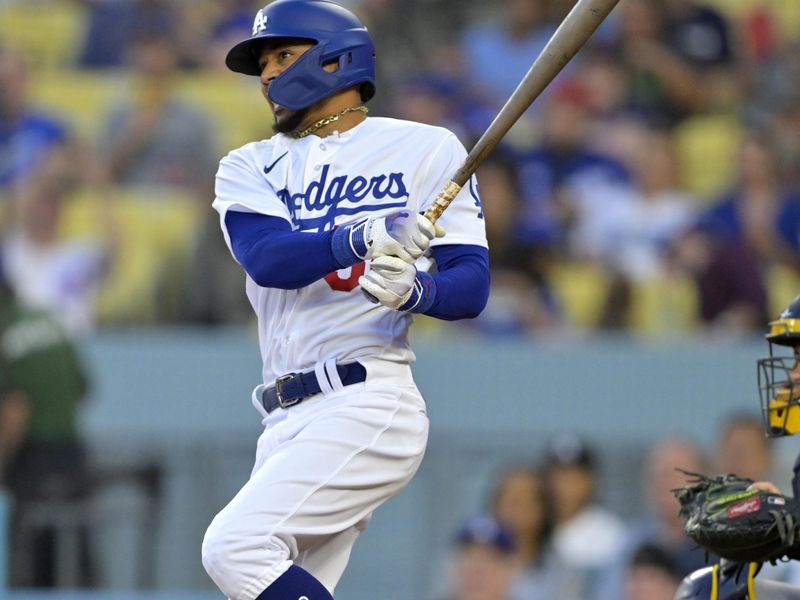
[339, 36]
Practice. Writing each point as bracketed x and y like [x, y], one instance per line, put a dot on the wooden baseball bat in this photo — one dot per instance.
[584, 18]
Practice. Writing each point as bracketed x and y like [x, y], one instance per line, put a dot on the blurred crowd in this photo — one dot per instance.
[652, 189]
[544, 531]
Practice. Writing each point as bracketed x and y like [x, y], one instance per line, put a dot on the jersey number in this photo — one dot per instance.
[345, 280]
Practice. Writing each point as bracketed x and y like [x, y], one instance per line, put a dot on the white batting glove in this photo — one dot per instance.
[390, 280]
[404, 234]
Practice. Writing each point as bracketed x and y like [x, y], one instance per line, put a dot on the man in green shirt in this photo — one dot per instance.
[42, 384]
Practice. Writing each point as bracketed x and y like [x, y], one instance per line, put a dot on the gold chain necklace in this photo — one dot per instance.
[328, 120]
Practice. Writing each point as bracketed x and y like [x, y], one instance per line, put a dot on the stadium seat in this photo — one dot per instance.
[49, 32]
[787, 12]
[707, 147]
[154, 231]
[581, 287]
[233, 102]
[783, 286]
[663, 306]
[83, 99]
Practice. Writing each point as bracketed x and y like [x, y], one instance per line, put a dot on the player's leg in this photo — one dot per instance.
[333, 467]
[328, 560]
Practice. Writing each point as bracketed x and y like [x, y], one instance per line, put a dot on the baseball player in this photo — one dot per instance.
[779, 391]
[325, 209]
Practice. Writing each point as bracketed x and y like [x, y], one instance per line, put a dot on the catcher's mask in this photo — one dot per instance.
[779, 395]
[338, 36]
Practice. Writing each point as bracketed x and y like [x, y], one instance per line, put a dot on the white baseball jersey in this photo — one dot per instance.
[378, 167]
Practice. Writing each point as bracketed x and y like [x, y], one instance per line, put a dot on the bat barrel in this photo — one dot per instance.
[581, 22]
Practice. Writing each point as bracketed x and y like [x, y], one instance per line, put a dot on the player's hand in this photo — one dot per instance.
[765, 486]
[404, 234]
[390, 280]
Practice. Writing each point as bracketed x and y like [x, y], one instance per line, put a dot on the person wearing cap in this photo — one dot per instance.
[484, 567]
[652, 575]
[586, 536]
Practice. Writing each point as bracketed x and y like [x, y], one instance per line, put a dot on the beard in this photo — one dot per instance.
[290, 123]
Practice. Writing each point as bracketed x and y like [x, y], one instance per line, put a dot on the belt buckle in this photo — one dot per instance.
[279, 392]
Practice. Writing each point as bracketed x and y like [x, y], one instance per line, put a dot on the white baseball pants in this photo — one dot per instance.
[322, 467]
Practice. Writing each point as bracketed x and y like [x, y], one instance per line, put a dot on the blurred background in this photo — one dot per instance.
[644, 226]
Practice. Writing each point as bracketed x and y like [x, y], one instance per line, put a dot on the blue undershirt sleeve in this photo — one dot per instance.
[275, 256]
[461, 287]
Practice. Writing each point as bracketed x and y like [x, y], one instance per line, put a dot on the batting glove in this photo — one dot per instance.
[397, 285]
[404, 234]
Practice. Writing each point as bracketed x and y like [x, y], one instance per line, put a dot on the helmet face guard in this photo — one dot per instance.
[778, 393]
[780, 398]
[338, 37]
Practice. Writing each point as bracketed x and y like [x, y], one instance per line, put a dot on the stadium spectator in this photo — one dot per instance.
[522, 300]
[761, 214]
[572, 482]
[652, 575]
[499, 47]
[631, 232]
[731, 292]
[42, 459]
[154, 138]
[518, 501]
[662, 85]
[232, 23]
[45, 270]
[27, 136]
[518, 504]
[433, 98]
[107, 43]
[485, 567]
[661, 526]
[753, 228]
[773, 105]
[605, 80]
[785, 123]
[699, 34]
[209, 290]
[559, 176]
[637, 223]
[743, 449]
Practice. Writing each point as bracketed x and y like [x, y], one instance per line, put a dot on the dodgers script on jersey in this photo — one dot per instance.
[373, 169]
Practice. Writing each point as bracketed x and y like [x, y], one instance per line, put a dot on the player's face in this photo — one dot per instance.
[795, 373]
[277, 56]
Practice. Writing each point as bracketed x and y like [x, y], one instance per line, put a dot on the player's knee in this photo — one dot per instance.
[217, 551]
[229, 555]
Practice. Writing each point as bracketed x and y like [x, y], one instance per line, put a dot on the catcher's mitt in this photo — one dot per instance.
[725, 518]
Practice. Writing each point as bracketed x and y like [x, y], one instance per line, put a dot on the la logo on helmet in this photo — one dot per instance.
[260, 23]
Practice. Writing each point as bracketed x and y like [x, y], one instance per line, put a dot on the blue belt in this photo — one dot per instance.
[293, 388]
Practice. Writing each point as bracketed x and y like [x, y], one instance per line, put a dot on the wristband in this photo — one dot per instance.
[349, 245]
[423, 294]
